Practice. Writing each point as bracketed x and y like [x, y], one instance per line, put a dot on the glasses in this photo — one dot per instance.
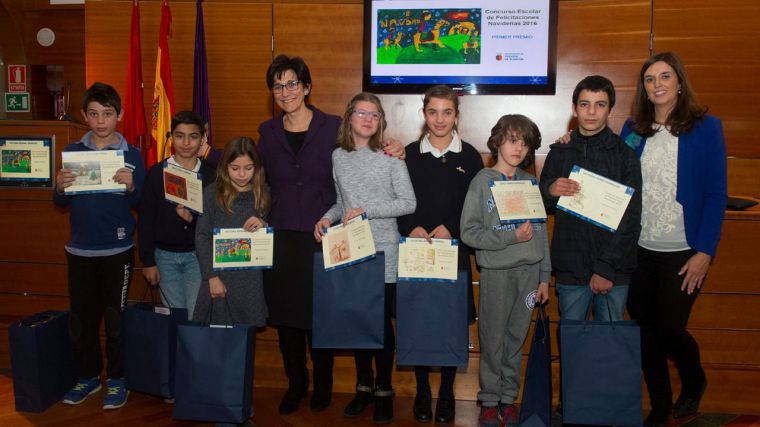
[372, 115]
[291, 85]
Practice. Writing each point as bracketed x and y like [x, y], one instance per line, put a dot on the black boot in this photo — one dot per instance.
[292, 399]
[423, 408]
[383, 406]
[445, 410]
[360, 402]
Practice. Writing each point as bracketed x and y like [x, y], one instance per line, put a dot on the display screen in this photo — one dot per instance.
[475, 46]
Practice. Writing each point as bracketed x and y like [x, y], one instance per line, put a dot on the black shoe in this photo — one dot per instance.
[320, 400]
[423, 408]
[383, 406]
[360, 402]
[292, 399]
[658, 416]
[688, 403]
[444, 411]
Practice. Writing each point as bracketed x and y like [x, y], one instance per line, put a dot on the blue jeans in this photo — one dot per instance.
[574, 301]
[180, 279]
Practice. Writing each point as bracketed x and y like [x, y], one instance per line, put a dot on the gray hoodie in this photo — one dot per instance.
[495, 244]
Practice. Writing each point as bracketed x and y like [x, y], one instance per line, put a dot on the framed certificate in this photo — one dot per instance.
[518, 201]
[27, 161]
[347, 245]
[237, 249]
[94, 171]
[601, 200]
[183, 187]
[434, 261]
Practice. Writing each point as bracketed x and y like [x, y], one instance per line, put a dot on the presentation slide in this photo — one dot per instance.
[439, 42]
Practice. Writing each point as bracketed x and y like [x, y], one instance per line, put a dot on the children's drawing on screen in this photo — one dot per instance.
[428, 36]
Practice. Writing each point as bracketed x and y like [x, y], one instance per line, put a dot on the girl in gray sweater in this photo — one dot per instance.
[368, 181]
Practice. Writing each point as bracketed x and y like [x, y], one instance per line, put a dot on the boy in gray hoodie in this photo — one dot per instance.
[515, 269]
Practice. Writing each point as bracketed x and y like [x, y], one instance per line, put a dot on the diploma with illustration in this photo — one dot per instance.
[601, 201]
[518, 201]
[94, 171]
[183, 187]
[345, 245]
[237, 249]
[434, 261]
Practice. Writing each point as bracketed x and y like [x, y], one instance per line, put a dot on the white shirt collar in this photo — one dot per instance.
[455, 146]
[195, 169]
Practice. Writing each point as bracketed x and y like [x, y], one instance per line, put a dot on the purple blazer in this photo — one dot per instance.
[301, 185]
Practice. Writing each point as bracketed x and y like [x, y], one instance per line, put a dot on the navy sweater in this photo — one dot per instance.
[160, 226]
[103, 221]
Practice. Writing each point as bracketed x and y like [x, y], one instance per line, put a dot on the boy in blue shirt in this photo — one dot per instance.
[101, 251]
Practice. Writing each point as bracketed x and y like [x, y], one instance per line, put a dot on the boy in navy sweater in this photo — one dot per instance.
[166, 231]
[101, 251]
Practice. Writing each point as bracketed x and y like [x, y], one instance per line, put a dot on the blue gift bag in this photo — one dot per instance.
[536, 406]
[150, 343]
[349, 304]
[601, 372]
[41, 361]
[214, 372]
[431, 322]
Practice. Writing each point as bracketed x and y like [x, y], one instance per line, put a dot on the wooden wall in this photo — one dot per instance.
[609, 37]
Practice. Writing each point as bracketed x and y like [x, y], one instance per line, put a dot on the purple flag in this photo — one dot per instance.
[201, 103]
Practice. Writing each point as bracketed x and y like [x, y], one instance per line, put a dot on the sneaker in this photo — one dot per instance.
[489, 416]
[116, 394]
[83, 388]
[508, 415]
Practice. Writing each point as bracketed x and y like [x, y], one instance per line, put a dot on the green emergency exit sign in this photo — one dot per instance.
[17, 102]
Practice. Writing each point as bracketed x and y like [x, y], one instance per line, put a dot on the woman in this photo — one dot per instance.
[296, 147]
[373, 183]
[683, 165]
[441, 167]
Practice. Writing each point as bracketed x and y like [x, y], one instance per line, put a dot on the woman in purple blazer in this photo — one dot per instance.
[296, 147]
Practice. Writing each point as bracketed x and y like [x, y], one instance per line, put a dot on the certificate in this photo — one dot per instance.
[237, 249]
[94, 171]
[347, 245]
[518, 201]
[601, 200]
[421, 260]
[25, 159]
[183, 187]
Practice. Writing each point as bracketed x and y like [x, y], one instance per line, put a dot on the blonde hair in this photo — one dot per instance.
[225, 189]
[345, 136]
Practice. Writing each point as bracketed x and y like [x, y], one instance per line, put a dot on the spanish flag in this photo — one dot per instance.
[163, 94]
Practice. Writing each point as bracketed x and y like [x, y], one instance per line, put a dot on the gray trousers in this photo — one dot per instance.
[506, 307]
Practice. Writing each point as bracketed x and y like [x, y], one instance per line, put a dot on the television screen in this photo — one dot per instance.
[475, 46]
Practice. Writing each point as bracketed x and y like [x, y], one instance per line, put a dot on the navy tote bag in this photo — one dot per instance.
[214, 375]
[349, 304]
[535, 410]
[41, 361]
[150, 343]
[601, 372]
[431, 322]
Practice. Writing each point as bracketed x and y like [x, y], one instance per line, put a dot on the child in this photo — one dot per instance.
[100, 253]
[587, 259]
[368, 181]
[167, 230]
[238, 199]
[515, 266]
[441, 167]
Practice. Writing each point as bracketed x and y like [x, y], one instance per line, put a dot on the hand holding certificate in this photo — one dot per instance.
[518, 201]
[183, 187]
[601, 201]
[421, 260]
[237, 249]
[344, 245]
[93, 171]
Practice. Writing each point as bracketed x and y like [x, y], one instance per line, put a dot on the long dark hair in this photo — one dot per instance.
[226, 191]
[686, 110]
[515, 126]
[441, 92]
